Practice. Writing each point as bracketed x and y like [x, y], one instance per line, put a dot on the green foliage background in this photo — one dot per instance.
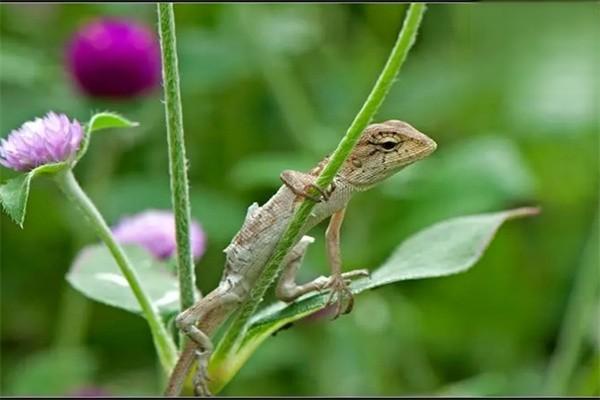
[509, 91]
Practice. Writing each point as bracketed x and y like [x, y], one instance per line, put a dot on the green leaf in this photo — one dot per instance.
[13, 195]
[15, 192]
[99, 121]
[105, 120]
[446, 248]
[95, 274]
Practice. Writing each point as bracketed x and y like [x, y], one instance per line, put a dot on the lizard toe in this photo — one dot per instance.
[341, 295]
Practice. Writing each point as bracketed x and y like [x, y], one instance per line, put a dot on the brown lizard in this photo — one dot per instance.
[382, 150]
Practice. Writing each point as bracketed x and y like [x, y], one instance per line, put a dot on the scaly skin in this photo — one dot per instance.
[383, 149]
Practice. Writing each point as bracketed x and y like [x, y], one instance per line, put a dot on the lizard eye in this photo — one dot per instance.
[388, 145]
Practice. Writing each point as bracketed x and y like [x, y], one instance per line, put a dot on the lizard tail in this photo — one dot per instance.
[181, 370]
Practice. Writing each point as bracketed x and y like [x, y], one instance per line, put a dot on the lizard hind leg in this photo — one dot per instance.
[287, 289]
[198, 321]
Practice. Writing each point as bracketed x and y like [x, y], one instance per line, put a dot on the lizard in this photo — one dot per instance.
[381, 150]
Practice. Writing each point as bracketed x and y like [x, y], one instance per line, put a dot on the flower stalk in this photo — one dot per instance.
[165, 346]
[177, 159]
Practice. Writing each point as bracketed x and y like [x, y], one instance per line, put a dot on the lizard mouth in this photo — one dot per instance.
[425, 148]
[428, 145]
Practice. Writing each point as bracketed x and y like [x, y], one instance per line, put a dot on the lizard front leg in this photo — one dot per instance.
[301, 182]
[339, 282]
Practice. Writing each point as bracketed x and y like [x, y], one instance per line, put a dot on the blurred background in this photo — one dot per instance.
[510, 92]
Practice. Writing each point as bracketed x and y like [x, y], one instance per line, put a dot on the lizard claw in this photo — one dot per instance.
[201, 378]
[341, 292]
[344, 298]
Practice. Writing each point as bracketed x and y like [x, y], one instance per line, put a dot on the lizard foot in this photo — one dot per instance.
[201, 378]
[340, 292]
[324, 194]
[300, 184]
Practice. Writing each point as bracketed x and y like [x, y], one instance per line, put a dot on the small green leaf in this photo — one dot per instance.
[99, 121]
[13, 195]
[446, 248]
[105, 120]
[95, 274]
[15, 192]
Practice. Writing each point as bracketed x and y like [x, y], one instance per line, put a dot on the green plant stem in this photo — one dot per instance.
[74, 313]
[580, 310]
[180, 196]
[406, 38]
[166, 349]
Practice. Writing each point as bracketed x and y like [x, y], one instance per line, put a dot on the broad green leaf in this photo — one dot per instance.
[446, 248]
[15, 192]
[95, 274]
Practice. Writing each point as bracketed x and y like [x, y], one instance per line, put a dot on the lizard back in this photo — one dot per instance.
[264, 226]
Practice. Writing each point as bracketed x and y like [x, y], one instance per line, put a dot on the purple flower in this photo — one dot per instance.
[155, 231]
[42, 141]
[114, 58]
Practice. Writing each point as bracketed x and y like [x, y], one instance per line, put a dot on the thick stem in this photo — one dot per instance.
[177, 160]
[406, 38]
[166, 349]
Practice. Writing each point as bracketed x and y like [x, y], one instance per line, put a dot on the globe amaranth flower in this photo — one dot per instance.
[155, 231]
[46, 140]
[114, 58]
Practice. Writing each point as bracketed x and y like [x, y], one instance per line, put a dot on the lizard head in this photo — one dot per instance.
[382, 150]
